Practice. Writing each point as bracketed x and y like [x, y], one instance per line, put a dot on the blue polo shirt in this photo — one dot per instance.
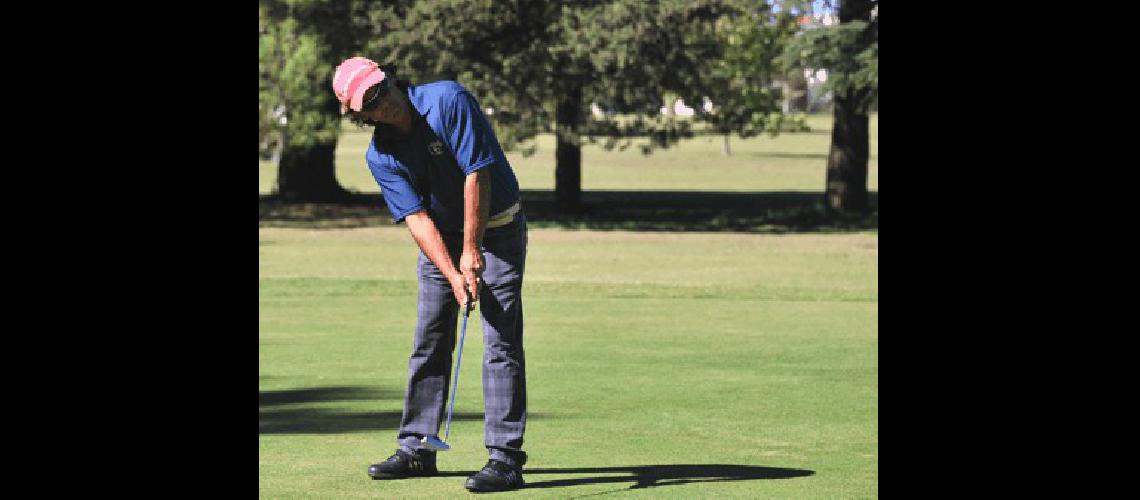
[426, 169]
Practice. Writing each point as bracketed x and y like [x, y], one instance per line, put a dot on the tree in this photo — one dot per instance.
[741, 82]
[539, 62]
[849, 51]
[301, 41]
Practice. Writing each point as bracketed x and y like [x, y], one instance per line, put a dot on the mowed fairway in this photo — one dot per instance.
[677, 365]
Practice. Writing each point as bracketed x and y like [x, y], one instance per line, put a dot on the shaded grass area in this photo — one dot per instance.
[760, 212]
[292, 411]
[288, 411]
[324, 421]
[315, 394]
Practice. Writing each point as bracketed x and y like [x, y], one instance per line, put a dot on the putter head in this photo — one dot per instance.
[434, 443]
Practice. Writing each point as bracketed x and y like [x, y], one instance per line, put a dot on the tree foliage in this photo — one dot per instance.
[520, 58]
[292, 62]
[752, 38]
[300, 43]
[741, 82]
[848, 50]
[540, 64]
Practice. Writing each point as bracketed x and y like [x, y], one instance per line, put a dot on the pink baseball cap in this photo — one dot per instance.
[353, 77]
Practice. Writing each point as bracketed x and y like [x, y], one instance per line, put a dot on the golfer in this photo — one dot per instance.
[442, 172]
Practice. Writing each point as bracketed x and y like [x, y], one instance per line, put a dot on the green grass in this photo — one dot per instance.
[788, 162]
[642, 349]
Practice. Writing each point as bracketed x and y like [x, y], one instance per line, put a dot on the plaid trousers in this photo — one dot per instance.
[504, 367]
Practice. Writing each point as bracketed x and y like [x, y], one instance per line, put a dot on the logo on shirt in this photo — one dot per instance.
[435, 148]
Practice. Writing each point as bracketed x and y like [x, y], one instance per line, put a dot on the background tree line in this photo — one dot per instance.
[540, 64]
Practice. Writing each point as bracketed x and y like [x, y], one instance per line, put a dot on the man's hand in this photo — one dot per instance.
[471, 266]
[431, 243]
[459, 288]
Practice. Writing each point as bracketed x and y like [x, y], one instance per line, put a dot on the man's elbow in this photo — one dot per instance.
[415, 219]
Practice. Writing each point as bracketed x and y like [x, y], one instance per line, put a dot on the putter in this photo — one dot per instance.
[432, 442]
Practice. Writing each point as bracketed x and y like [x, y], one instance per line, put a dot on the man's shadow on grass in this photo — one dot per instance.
[651, 476]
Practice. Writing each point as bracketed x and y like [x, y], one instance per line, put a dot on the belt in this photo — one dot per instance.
[505, 217]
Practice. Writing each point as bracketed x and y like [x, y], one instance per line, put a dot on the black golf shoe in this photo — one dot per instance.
[495, 476]
[403, 464]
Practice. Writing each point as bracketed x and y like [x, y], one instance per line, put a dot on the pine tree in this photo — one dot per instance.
[849, 51]
[539, 64]
[301, 41]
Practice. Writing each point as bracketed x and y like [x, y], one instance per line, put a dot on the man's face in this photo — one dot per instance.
[381, 104]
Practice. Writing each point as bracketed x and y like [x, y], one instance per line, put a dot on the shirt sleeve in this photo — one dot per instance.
[397, 189]
[472, 139]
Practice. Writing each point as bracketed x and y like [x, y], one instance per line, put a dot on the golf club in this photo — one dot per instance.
[434, 442]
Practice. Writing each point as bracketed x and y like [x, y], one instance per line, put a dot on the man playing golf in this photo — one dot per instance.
[441, 171]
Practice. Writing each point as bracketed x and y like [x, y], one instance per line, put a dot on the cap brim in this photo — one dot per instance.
[358, 97]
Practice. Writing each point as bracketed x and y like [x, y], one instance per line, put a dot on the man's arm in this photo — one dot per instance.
[476, 210]
[427, 236]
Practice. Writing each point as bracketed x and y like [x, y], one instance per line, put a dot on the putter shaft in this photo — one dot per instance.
[458, 363]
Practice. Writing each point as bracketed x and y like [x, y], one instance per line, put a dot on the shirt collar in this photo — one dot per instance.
[419, 100]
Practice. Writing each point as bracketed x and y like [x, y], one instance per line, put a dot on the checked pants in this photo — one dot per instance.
[504, 367]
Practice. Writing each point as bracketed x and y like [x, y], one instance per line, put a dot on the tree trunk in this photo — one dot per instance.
[847, 160]
[850, 141]
[786, 90]
[308, 174]
[727, 149]
[568, 153]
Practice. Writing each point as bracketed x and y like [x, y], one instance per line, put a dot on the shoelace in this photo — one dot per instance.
[509, 472]
[414, 462]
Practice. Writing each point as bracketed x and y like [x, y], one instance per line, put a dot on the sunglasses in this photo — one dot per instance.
[381, 90]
